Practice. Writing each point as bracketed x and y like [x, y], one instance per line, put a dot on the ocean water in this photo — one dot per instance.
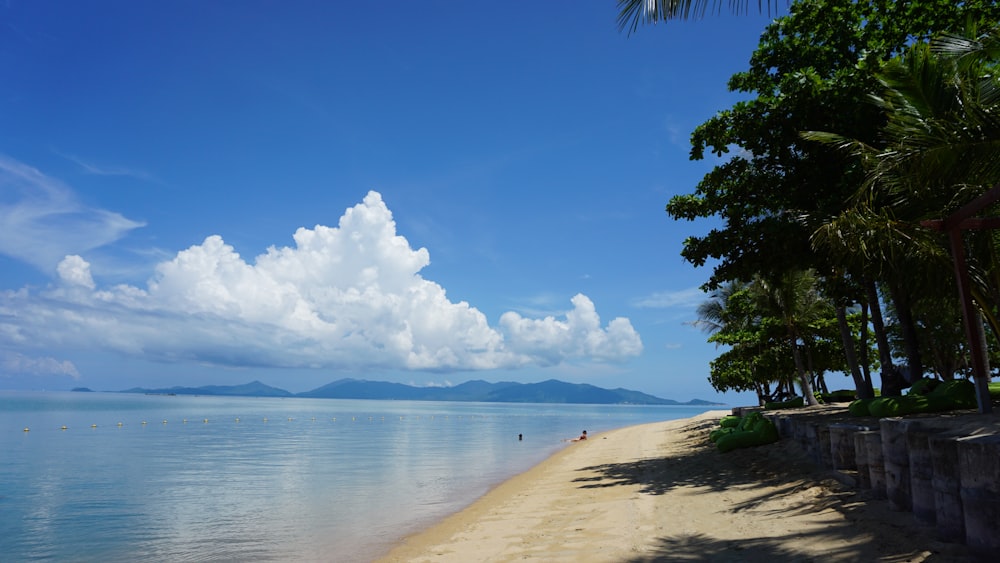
[190, 478]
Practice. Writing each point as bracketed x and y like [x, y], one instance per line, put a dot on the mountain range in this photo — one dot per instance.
[550, 391]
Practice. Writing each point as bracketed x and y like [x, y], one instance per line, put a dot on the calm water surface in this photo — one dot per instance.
[163, 478]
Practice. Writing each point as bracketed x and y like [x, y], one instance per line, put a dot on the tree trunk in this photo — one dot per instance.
[865, 359]
[807, 390]
[881, 339]
[908, 328]
[864, 390]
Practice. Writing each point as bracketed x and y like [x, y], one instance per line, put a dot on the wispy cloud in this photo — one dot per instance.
[42, 222]
[683, 298]
[676, 134]
[104, 170]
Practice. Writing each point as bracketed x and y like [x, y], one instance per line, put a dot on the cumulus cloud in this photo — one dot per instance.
[344, 297]
[75, 271]
[550, 340]
[12, 363]
[41, 221]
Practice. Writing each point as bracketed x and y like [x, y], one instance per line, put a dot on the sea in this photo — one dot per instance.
[133, 477]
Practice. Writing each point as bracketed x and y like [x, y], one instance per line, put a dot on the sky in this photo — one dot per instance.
[211, 193]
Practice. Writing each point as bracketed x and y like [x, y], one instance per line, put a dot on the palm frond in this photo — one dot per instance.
[632, 13]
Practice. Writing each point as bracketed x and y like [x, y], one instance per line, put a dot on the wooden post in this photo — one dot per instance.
[954, 225]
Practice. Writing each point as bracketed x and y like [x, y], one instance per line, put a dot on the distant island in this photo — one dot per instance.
[551, 391]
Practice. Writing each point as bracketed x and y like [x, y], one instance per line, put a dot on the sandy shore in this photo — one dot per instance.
[661, 492]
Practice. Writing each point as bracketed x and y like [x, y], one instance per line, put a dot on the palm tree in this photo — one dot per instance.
[937, 152]
[715, 313]
[794, 299]
[633, 12]
[732, 317]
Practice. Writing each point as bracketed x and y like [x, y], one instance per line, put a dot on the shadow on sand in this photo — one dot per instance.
[780, 473]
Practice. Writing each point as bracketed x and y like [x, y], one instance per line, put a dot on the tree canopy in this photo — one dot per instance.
[865, 72]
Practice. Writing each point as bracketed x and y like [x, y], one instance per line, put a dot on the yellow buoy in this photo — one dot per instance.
[164, 422]
[206, 420]
[63, 427]
[26, 429]
[265, 419]
[93, 426]
[237, 419]
[119, 424]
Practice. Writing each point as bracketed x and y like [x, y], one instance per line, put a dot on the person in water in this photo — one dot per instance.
[582, 436]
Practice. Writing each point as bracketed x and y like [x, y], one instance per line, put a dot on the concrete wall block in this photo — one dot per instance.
[979, 472]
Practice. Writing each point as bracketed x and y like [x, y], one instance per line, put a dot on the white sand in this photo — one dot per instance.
[661, 492]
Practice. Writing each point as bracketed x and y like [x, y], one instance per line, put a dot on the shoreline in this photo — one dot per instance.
[661, 492]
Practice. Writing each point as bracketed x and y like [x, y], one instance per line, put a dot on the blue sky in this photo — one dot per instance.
[198, 193]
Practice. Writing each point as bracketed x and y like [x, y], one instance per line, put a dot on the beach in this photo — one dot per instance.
[662, 492]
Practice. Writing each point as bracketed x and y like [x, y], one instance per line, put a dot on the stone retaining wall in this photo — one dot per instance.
[944, 468]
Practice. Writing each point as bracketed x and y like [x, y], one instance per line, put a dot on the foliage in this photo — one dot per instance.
[631, 13]
[779, 194]
[754, 324]
[813, 71]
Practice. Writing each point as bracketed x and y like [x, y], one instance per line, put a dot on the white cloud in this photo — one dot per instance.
[580, 335]
[345, 297]
[12, 363]
[98, 170]
[688, 298]
[41, 220]
[74, 270]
